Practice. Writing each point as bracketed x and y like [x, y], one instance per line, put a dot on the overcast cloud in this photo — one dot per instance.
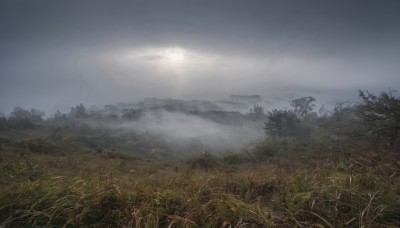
[60, 53]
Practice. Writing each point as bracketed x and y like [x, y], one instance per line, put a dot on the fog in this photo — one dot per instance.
[188, 130]
[188, 126]
[200, 113]
[56, 54]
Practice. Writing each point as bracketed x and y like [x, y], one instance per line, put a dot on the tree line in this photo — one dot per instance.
[376, 117]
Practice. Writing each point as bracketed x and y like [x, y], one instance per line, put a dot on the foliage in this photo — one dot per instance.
[257, 112]
[21, 119]
[73, 173]
[131, 114]
[264, 150]
[203, 161]
[303, 106]
[283, 123]
[3, 122]
[380, 115]
[59, 116]
[34, 115]
[79, 111]
[236, 158]
[42, 146]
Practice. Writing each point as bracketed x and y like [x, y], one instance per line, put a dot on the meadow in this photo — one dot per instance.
[61, 173]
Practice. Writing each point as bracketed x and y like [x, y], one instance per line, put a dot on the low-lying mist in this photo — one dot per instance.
[164, 126]
[185, 129]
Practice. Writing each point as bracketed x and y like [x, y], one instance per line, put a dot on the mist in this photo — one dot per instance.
[55, 55]
[187, 130]
[199, 113]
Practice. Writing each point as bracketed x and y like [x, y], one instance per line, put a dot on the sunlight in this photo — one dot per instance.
[176, 59]
[174, 55]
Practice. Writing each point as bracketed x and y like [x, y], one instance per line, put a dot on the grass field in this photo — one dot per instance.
[336, 170]
[358, 189]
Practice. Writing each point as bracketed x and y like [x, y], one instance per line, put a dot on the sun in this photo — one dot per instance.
[174, 55]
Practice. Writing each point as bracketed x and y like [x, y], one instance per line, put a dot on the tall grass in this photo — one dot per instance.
[354, 190]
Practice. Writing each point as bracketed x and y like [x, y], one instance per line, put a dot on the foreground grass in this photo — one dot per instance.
[358, 190]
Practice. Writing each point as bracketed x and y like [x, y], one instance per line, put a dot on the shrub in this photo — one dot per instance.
[204, 161]
[236, 158]
[380, 115]
[283, 123]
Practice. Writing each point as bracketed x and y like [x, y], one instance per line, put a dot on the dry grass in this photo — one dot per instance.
[358, 190]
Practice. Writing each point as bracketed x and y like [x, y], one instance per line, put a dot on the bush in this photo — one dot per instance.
[380, 115]
[17, 123]
[264, 150]
[283, 123]
[204, 161]
[236, 158]
[42, 146]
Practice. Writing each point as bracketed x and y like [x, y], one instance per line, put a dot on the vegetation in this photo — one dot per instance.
[380, 115]
[303, 106]
[257, 112]
[283, 123]
[332, 170]
[21, 119]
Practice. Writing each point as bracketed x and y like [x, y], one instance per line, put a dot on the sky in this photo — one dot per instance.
[55, 54]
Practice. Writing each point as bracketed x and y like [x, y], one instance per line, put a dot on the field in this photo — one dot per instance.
[200, 114]
[171, 165]
[355, 188]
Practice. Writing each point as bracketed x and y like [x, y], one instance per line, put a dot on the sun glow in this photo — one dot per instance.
[174, 55]
[167, 57]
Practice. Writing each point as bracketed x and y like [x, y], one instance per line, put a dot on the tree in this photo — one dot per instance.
[343, 110]
[59, 116]
[323, 111]
[131, 114]
[79, 111]
[380, 115]
[283, 123]
[303, 106]
[32, 115]
[3, 121]
[22, 119]
[257, 112]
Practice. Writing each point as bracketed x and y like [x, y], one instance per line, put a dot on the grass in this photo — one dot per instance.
[87, 189]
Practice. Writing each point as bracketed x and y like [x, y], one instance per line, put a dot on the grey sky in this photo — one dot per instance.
[60, 53]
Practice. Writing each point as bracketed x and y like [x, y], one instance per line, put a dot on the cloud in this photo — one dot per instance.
[58, 52]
